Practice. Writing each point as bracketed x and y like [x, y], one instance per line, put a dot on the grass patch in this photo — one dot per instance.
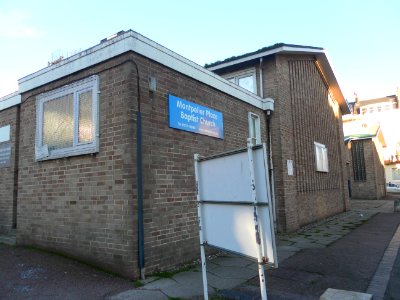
[137, 284]
[169, 274]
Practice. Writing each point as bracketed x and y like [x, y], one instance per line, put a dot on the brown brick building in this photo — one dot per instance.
[306, 127]
[365, 143]
[80, 175]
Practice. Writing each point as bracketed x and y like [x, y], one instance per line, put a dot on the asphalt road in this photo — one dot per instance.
[393, 288]
[32, 274]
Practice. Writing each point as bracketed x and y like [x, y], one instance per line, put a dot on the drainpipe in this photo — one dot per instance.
[261, 78]
[139, 175]
[268, 114]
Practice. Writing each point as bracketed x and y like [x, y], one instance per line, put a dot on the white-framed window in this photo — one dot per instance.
[254, 128]
[67, 122]
[321, 157]
[395, 174]
[5, 133]
[246, 79]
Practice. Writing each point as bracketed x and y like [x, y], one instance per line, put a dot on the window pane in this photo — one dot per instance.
[396, 174]
[253, 127]
[85, 130]
[58, 122]
[247, 83]
[357, 152]
[231, 79]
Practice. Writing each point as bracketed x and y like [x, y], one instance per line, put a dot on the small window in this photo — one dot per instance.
[395, 174]
[67, 120]
[321, 157]
[5, 133]
[254, 128]
[357, 154]
[363, 110]
[246, 79]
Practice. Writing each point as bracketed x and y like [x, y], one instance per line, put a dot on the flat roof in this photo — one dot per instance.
[10, 100]
[135, 42]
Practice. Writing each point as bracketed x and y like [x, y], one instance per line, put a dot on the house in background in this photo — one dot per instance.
[365, 143]
[376, 105]
[385, 112]
[308, 152]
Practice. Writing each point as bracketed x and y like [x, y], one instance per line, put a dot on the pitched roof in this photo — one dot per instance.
[264, 49]
[319, 53]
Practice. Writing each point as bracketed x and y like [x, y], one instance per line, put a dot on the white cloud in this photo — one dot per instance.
[14, 24]
[8, 84]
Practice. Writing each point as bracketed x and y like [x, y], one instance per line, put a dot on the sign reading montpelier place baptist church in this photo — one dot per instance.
[189, 116]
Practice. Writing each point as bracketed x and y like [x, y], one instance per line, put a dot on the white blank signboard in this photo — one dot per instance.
[231, 227]
[227, 178]
[227, 222]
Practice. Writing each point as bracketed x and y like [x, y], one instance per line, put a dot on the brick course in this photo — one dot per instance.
[305, 113]
[8, 175]
[86, 207]
[374, 187]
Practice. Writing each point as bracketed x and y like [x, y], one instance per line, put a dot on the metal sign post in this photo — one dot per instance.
[235, 207]
[260, 259]
[202, 250]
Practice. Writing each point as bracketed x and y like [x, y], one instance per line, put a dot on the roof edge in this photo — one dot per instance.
[10, 100]
[135, 42]
[271, 50]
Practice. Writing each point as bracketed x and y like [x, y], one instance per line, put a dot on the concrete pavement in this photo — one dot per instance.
[310, 260]
[226, 272]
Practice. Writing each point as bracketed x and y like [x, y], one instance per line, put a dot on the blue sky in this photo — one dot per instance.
[362, 38]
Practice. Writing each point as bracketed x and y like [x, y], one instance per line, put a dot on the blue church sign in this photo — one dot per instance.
[189, 116]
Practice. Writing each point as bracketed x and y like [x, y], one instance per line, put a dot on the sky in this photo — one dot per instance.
[361, 37]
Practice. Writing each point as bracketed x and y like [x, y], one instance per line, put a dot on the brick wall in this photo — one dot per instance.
[8, 175]
[304, 113]
[374, 185]
[86, 207]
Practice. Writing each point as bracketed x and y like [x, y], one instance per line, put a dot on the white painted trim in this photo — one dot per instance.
[42, 151]
[254, 133]
[282, 49]
[10, 100]
[132, 41]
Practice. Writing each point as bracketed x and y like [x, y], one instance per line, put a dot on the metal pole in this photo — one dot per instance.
[260, 261]
[270, 200]
[202, 250]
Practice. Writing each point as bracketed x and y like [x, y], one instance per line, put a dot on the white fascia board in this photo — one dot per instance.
[282, 49]
[10, 100]
[132, 41]
[328, 73]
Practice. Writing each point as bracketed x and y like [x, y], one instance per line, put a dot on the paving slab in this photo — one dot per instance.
[139, 294]
[186, 291]
[282, 255]
[159, 284]
[334, 294]
[221, 283]
[233, 273]
[231, 261]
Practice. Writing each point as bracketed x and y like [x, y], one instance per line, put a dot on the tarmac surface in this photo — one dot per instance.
[346, 252]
